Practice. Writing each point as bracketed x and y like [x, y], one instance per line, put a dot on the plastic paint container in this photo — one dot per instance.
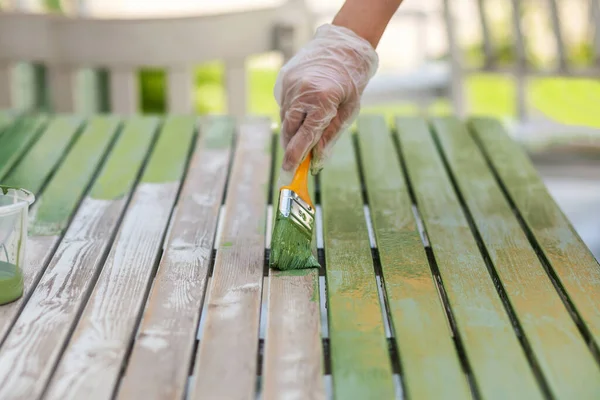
[14, 207]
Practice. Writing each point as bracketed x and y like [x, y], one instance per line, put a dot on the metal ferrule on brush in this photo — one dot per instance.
[291, 205]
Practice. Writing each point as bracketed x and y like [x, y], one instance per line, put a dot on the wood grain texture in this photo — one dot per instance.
[40, 161]
[91, 364]
[227, 355]
[52, 211]
[430, 364]
[571, 260]
[495, 355]
[563, 356]
[17, 139]
[159, 364]
[35, 343]
[360, 363]
[293, 359]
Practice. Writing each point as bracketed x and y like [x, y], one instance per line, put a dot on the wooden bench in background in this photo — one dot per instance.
[448, 270]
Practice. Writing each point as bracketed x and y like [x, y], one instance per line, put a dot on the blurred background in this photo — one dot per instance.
[533, 63]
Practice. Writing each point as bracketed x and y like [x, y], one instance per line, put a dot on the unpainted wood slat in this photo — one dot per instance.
[91, 363]
[124, 94]
[180, 90]
[570, 370]
[495, 356]
[430, 363]
[40, 161]
[293, 360]
[17, 139]
[50, 215]
[34, 345]
[360, 363]
[159, 364]
[226, 362]
[576, 269]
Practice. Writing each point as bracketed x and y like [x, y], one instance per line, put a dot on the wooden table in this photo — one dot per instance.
[448, 270]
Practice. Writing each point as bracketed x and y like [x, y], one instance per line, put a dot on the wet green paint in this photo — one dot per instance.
[11, 282]
[227, 244]
[563, 356]
[291, 246]
[576, 268]
[169, 156]
[17, 139]
[492, 348]
[70, 181]
[119, 173]
[430, 363]
[40, 161]
[361, 367]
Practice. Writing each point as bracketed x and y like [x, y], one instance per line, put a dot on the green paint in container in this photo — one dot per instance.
[14, 206]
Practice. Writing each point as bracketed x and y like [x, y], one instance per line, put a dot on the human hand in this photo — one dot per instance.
[318, 92]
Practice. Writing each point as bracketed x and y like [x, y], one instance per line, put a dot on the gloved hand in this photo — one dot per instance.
[318, 92]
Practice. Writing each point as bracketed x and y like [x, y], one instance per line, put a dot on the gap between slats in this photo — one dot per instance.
[583, 329]
[494, 274]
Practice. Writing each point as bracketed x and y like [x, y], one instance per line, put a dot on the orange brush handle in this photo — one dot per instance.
[300, 182]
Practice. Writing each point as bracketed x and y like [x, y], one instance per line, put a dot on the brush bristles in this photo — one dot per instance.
[290, 246]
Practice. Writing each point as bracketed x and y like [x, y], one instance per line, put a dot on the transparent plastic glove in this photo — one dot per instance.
[318, 92]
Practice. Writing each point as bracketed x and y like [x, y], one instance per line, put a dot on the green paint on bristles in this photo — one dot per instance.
[290, 246]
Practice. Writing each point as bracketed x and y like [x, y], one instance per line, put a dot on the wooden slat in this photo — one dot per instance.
[558, 35]
[40, 161]
[488, 48]
[91, 364]
[50, 216]
[570, 370]
[360, 363]
[63, 88]
[124, 93]
[159, 364]
[180, 90]
[495, 356]
[293, 360]
[34, 345]
[7, 118]
[458, 95]
[594, 10]
[6, 100]
[521, 62]
[430, 364]
[227, 355]
[17, 139]
[570, 259]
[236, 87]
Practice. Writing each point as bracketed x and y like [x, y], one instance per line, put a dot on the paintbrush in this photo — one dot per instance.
[294, 224]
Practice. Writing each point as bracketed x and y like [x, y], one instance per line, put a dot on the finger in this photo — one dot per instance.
[299, 146]
[292, 122]
[322, 150]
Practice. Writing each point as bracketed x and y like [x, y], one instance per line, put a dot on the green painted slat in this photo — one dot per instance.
[562, 354]
[360, 363]
[69, 183]
[118, 174]
[430, 364]
[167, 163]
[6, 119]
[494, 353]
[17, 139]
[571, 260]
[39, 162]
